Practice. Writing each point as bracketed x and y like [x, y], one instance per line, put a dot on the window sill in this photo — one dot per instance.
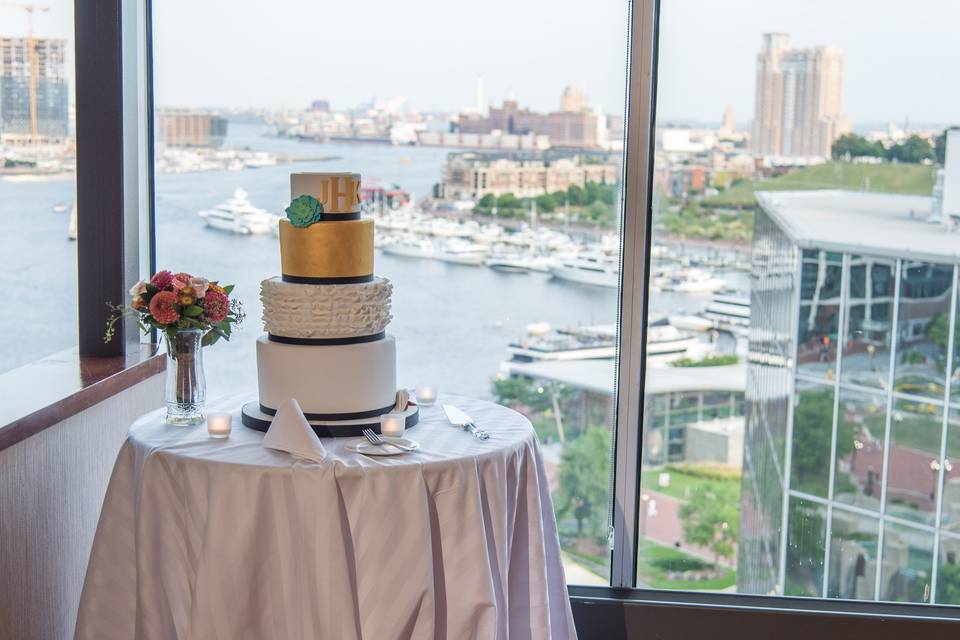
[43, 393]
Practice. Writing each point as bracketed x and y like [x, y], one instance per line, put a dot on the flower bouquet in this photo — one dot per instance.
[191, 312]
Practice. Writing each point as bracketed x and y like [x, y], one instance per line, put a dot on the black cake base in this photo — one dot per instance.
[253, 417]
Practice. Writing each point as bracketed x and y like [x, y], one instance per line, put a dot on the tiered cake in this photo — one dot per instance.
[326, 316]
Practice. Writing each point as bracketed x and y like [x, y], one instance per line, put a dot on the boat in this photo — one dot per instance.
[238, 215]
[664, 343]
[729, 311]
[72, 225]
[458, 251]
[518, 263]
[410, 247]
[697, 281]
[594, 270]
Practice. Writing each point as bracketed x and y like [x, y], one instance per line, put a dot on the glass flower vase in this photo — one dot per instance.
[186, 389]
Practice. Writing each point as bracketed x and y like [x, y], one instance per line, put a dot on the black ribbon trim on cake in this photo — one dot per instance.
[327, 341]
[326, 216]
[356, 415]
[337, 280]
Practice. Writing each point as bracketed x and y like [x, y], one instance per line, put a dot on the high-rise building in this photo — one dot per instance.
[851, 465]
[44, 115]
[573, 100]
[729, 123]
[192, 129]
[574, 125]
[799, 98]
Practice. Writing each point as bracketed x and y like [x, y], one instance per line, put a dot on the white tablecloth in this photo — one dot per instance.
[207, 539]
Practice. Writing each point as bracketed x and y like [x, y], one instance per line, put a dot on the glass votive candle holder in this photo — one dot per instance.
[393, 425]
[219, 425]
[426, 394]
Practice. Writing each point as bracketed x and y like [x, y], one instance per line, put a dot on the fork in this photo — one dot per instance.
[375, 438]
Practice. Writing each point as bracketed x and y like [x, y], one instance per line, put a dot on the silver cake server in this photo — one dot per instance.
[460, 419]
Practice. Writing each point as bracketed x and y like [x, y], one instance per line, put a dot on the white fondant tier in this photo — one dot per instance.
[328, 379]
[327, 311]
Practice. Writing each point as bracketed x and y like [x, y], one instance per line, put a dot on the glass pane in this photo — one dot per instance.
[861, 428]
[853, 556]
[923, 328]
[948, 571]
[950, 516]
[812, 437]
[806, 538]
[497, 223]
[907, 564]
[819, 322]
[869, 327]
[775, 169]
[914, 467]
[37, 182]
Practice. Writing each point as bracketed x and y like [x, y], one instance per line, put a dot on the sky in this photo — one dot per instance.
[900, 59]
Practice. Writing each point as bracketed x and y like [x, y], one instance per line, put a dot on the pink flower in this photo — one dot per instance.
[181, 280]
[216, 306]
[162, 309]
[199, 286]
[162, 279]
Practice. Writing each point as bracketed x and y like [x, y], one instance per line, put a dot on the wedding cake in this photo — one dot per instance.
[326, 315]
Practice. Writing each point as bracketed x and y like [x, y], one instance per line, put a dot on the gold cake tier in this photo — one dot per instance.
[327, 251]
[339, 192]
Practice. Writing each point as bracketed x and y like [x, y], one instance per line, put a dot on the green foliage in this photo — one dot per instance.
[711, 519]
[509, 201]
[696, 221]
[707, 361]
[304, 211]
[912, 179]
[488, 201]
[655, 562]
[853, 146]
[546, 203]
[913, 150]
[812, 432]
[948, 584]
[514, 392]
[584, 480]
[938, 330]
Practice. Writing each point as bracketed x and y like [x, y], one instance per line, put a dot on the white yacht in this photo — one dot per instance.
[664, 343]
[698, 281]
[238, 215]
[588, 269]
[518, 263]
[729, 311]
[459, 251]
[410, 247]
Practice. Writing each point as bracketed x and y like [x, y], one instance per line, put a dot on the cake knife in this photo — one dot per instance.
[460, 419]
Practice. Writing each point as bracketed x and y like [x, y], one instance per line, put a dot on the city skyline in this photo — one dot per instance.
[446, 83]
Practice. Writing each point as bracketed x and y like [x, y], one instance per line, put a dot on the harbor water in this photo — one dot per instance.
[452, 322]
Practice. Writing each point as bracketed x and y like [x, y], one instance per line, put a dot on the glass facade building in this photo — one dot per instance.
[851, 479]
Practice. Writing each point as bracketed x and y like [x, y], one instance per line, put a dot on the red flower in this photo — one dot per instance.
[162, 309]
[216, 306]
[162, 279]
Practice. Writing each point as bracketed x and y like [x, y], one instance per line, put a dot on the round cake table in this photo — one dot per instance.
[205, 538]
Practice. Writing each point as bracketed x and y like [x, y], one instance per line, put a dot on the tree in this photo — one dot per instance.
[488, 201]
[584, 479]
[948, 584]
[575, 195]
[509, 201]
[851, 145]
[912, 150]
[596, 211]
[514, 392]
[546, 203]
[711, 519]
[812, 432]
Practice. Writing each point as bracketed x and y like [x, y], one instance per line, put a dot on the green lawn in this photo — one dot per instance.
[916, 179]
[655, 560]
[684, 481]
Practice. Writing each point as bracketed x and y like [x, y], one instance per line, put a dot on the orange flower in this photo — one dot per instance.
[186, 296]
[138, 304]
[217, 288]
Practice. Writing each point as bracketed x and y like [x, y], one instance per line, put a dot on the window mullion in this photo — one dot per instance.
[635, 205]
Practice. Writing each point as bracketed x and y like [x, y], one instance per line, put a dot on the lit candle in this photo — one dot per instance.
[392, 424]
[218, 425]
[426, 394]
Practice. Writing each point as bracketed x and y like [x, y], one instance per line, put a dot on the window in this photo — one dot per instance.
[497, 222]
[803, 256]
[37, 182]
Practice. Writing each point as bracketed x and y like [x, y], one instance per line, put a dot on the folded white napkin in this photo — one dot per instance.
[290, 432]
